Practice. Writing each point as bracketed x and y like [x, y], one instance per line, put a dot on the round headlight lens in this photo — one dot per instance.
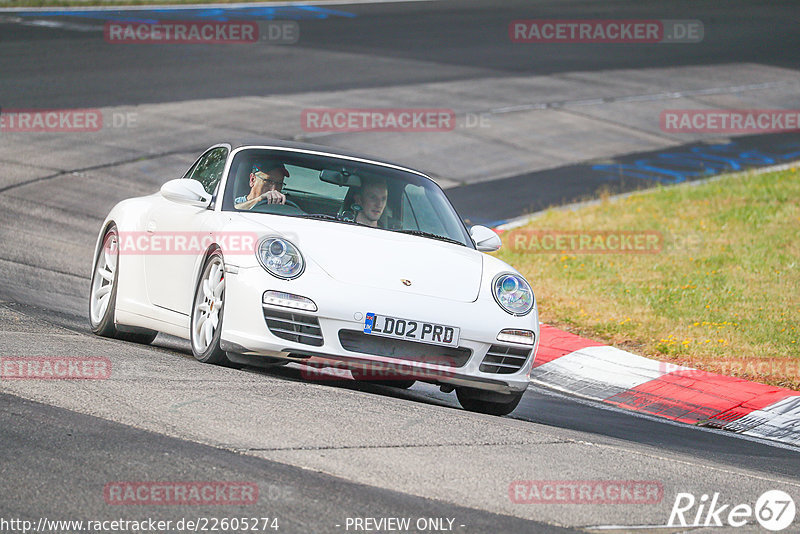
[513, 293]
[280, 258]
[509, 284]
[277, 248]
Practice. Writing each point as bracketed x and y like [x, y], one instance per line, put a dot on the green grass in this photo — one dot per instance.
[722, 295]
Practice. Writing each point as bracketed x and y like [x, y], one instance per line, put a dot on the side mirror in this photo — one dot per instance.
[186, 191]
[486, 240]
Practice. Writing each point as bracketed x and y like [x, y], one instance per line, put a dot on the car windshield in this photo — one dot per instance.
[341, 190]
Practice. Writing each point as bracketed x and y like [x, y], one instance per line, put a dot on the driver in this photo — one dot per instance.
[266, 181]
[370, 201]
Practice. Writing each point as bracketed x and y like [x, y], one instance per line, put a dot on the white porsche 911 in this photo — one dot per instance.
[278, 252]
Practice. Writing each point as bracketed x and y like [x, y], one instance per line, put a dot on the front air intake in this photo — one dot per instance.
[295, 327]
[504, 360]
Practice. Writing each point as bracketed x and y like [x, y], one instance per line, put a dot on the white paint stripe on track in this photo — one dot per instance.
[39, 23]
[238, 5]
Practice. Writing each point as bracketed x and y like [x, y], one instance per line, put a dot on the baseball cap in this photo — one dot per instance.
[269, 165]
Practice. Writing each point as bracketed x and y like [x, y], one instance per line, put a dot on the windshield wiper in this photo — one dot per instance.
[430, 235]
[324, 217]
[318, 216]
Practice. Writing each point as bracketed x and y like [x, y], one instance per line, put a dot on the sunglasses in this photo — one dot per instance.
[276, 185]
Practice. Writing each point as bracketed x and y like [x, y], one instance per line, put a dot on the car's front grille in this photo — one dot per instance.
[504, 360]
[294, 326]
[356, 341]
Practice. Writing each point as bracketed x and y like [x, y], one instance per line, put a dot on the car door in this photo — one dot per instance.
[176, 234]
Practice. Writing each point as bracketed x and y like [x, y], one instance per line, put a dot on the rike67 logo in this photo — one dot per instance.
[774, 510]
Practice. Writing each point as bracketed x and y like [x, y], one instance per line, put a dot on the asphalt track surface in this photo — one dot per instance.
[342, 449]
[463, 39]
[299, 499]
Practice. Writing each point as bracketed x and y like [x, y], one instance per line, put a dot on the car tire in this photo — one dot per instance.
[103, 293]
[488, 402]
[208, 308]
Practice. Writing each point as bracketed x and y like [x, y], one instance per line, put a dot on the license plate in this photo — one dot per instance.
[437, 334]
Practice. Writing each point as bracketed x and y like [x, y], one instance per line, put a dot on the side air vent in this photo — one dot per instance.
[295, 327]
[504, 360]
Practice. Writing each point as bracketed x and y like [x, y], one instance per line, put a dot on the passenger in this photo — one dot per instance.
[266, 181]
[370, 201]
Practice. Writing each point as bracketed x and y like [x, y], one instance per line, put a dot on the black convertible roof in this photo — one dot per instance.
[282, 143]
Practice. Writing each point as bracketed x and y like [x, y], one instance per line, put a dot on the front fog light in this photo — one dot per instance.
[509, 335]
[512, 293]
[280, 258]
[287, 300]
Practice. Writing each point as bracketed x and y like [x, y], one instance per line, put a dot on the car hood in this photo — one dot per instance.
[376, 258]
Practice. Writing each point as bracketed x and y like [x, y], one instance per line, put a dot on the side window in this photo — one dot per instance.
[208, 170]
[423, 212]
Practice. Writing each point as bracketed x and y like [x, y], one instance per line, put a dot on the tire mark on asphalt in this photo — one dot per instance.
[643, 97]
[24, 164]
[625, 127]
[49, 269]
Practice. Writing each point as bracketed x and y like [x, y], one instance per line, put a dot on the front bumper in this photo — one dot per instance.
[342, 307]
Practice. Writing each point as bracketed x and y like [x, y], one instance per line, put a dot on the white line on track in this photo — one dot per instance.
[41, 23]
[208, 6]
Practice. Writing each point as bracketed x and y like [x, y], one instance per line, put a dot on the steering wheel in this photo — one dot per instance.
[346, 215]
[288, 202]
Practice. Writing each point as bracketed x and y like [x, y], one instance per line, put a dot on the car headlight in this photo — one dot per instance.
[280, 258]
[513, 293]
